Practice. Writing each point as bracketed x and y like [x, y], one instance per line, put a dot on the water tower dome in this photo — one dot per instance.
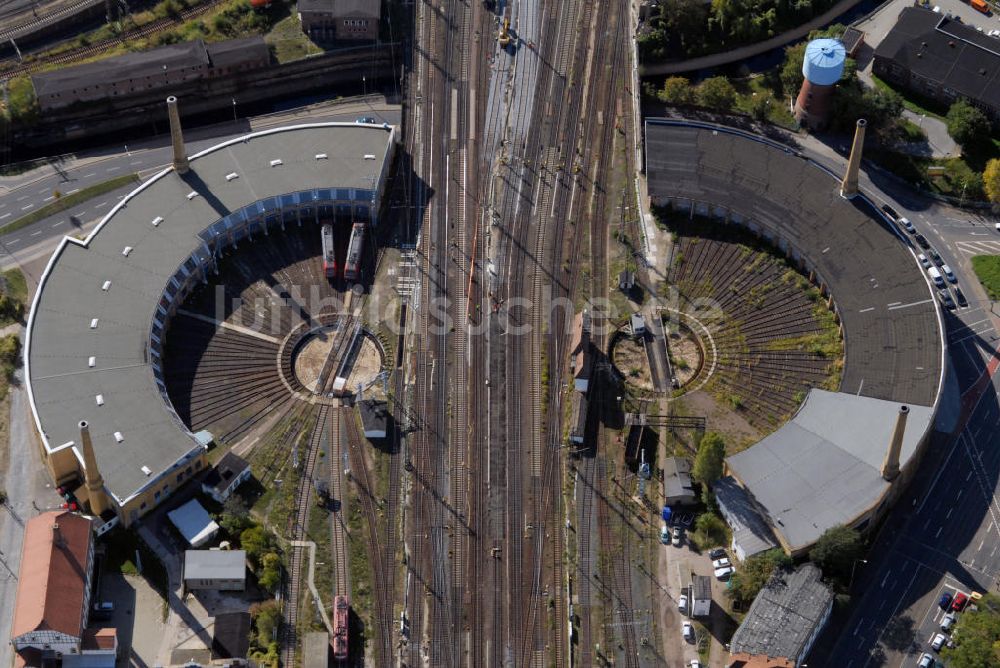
[824, 61]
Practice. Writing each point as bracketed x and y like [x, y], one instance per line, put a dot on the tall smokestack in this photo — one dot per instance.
[176, 136]
[849, 187]
[91, 474]
[890, 466]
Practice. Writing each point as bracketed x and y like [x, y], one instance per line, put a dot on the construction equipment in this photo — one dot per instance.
[504, 38]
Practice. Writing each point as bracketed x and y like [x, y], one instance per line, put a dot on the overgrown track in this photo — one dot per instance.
[304, 500]
[380, 566]
[338, 533]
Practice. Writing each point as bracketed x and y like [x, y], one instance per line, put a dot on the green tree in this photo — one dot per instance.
[708, 462]
[977, 636]
[710, 530]
[716, 93]
[257, 541]
[677, 90]
[23, 105]
[747, 581]
[10, 348]
[836, 551]
[266, 618]
[967, 124]
[991, 180]
[235, 517]
[270, 572]
[791, 69]
[760, 105]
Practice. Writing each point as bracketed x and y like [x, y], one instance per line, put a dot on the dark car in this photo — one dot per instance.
[935, 257]
[922, 241]
[889, 211]
[103, 610]
[945, 601]
[960, 296]
[959, 603]
[945, 298]
[717, 553]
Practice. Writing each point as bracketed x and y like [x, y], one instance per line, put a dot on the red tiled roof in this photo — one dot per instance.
[100, 638]
[53, 579]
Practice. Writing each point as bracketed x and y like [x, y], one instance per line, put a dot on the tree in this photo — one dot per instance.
[23, 104]
[710, 529]
[791, 69]
[760, 105]
[977, 636]
[270, 572]
[966, 124]
[991, 180]
[747, 582]
[235, 516]
[836, 551]
[266, 618]
[677, 90]
[257, 541]
[708, 462]
[716, 93]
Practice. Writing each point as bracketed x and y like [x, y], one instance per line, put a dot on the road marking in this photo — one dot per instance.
[22, 197]
[104, 203]
[35, 234]
[25, 208]
[860, 622]
[948, 516]
[884, 580]
[11, 243]
[6, 215]
[938, 532]
[135, 162]
[48, 199]
[74, 190]
[865, 310]
[112, 169]
[61, 222]
[894, 304]
[923, 301]
[87, 176]
[968, 476]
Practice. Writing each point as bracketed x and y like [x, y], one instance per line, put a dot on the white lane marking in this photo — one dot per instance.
[104, 203]
[894, 304]
[49, 198]
[61, 222]
[923, 301]
[865, 310]
[938, 532]
[25, 208]
[35, 234]
[112, 169]
[884, 580]
[87, 176]
[22, 197]
[11, 243]
[6, 215]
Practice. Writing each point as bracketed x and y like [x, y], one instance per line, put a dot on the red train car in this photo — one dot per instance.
[341, 607]
[352, 267]
[329, 252]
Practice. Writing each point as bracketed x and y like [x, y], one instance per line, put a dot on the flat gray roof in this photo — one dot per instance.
[823, 467]
[677, 477]
[215, 564]
[750, 530]
[62, 385]
[782, 618]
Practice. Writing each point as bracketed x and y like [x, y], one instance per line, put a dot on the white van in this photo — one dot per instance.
[936, 277]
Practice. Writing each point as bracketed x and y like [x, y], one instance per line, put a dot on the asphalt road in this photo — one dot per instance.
[26, 192]
[944, 535]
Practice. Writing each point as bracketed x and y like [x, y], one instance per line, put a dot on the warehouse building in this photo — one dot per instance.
[143, 71]
[222, 570]
[941, 58]
[328, 21]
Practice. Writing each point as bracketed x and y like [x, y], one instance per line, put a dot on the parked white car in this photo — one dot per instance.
[682, 603]
[721, 563]
[724, 572]
[687, 630]
[948, 273]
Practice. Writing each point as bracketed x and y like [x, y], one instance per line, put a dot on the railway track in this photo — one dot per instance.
[297, 532]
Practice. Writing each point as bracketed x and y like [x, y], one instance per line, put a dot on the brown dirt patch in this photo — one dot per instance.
[312, 356]
[685, 354]
[734, 428]
[367, 365]
[630, 358]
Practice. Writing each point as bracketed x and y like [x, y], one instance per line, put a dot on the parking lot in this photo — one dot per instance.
[677, 563]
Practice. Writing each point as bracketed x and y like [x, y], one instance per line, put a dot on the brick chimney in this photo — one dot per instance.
[176, 136]
[890, 466]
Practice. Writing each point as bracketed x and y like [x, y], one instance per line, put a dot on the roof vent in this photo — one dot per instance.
[951, 44]
[100, 399]
[106, 286]
[369, 156]
[93, 323]
[232, 175]
[146, 470]
[118, 437]
[321, 156]
[91, 362]
[156, 221]
[924, 44]
[191, 195]
[982, 71]
[126, 251]
[275, 163]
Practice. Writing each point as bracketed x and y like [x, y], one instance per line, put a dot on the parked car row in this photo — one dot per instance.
[939, 272]
[952, 605]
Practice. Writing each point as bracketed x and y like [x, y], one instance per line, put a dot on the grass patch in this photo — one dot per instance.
[288, 42]
[15, 285]
[918, 104]
[64, 202]
[987, 268]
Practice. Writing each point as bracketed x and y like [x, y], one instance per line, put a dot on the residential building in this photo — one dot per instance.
[678, 489]
[54, 594]
[144, 71]
[786, 617]
[581, 352]
[751, 534]
[224, 570]
[942, 58]
[340, 20]
[231, 472]
[701, 596]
